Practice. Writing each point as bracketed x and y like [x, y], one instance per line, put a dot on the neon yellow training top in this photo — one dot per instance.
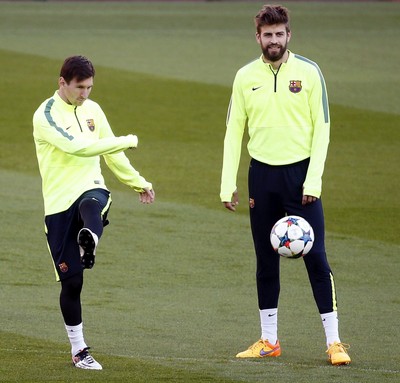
[287, 115]
[69, 141]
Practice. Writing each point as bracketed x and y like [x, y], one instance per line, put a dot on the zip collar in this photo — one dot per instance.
[62, 103]
[282, 66]
[274, 71]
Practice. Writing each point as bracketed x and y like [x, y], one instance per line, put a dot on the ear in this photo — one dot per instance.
[61, 81]
[258, 37]
[289, 35]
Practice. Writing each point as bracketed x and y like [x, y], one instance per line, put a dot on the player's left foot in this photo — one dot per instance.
[337, 354]
[86, 361]
[87, 241]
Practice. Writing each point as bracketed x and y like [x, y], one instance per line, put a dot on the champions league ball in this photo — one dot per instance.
[292, 237]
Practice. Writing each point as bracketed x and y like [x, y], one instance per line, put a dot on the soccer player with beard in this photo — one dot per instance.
[282, 99]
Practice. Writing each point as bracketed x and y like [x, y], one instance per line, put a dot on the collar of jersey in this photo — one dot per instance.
[62, 103]
[289, 60]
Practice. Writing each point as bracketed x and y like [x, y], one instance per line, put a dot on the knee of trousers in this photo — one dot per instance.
[89, 203]
[317, 260]
[72, 286]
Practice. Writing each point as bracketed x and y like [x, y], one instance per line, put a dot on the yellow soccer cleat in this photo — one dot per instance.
[337, 354]
[261, 349]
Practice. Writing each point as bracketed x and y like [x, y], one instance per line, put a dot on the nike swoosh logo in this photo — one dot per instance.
[263, 353]
[271, 315]
[256, 87]
[68, 127]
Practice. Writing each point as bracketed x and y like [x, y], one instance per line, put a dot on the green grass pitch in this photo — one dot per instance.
[172, 296]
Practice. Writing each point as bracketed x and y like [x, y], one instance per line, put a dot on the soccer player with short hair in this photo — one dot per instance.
[282, 98]
[71, 132]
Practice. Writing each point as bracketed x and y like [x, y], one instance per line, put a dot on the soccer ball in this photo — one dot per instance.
[292, 237]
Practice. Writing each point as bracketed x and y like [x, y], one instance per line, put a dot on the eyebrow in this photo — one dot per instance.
[271, 33]
[84, 86]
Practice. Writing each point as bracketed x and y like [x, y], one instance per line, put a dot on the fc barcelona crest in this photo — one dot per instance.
[90, 124]
[63, 267]
[295, 86]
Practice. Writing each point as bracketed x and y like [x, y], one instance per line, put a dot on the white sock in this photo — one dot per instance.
[330, 322]
[269, 325]
[75, 335]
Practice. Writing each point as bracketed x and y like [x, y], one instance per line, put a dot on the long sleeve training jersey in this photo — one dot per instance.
[69, 141]
[287, 115]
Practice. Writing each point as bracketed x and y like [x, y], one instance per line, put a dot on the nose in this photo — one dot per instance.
[273, 39]
[85, 93]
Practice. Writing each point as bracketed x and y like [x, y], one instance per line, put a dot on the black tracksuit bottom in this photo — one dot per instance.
[276, 191]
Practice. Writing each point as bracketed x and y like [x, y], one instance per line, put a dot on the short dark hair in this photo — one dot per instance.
[78, 67]
[272, 15]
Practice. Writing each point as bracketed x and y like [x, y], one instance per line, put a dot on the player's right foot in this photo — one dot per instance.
[261, 349]
[87, 241]
[86, 361]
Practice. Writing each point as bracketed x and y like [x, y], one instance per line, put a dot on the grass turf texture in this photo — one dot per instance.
[172, 296]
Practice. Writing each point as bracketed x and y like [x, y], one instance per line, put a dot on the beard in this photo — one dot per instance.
[274, 52]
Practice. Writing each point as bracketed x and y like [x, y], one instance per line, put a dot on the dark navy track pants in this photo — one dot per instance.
[89, 210]
[276, 191]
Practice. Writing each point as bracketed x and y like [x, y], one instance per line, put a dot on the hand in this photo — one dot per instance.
[134, 141]
[147, 196]
[235, 201]
[307, 199]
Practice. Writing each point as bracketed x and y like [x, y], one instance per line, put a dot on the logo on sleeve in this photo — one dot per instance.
[295, 86]
[90, 124]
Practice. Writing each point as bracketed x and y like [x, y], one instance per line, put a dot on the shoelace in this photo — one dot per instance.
[88, 359]
[342, 346]
[83, 354]
[253, 346]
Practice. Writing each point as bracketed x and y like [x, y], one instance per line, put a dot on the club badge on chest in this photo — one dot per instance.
[90, 124]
